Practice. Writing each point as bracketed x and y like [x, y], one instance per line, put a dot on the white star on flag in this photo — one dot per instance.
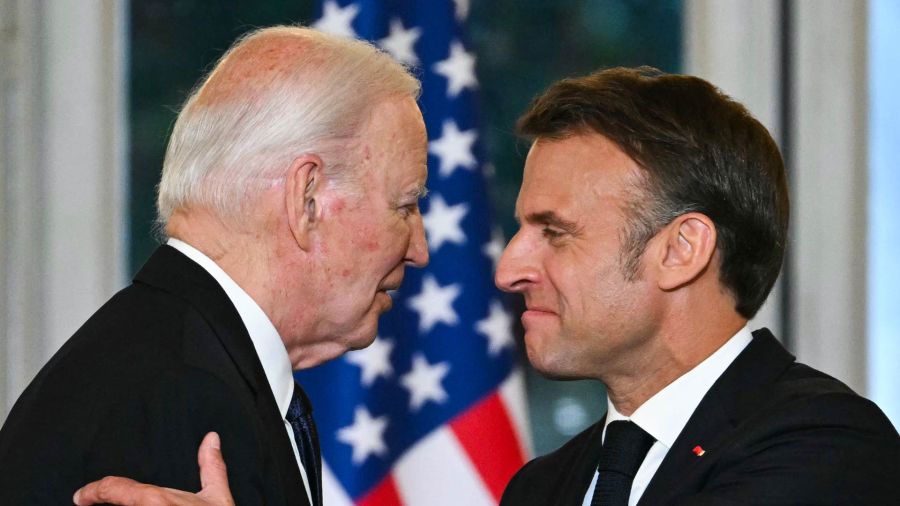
[366, 435]
[443, 223]
[400, 42]
[454, 148]
[374, 361]
[337, 20]
[497, 327]
[424, 382]
[494, 248]
[435, 304]
[458, 68]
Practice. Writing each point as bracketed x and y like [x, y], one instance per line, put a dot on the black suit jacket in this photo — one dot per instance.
[137, 387]
[774, 431]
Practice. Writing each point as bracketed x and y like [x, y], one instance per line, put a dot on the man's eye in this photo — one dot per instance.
[551, 234]
[409, 209]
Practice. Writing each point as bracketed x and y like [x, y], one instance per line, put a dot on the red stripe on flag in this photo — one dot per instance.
[384, 494]
[487, 434]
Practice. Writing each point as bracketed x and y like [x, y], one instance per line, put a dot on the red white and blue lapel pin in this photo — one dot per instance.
[699, 451]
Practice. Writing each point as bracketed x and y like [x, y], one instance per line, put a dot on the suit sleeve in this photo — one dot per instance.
[153, 436]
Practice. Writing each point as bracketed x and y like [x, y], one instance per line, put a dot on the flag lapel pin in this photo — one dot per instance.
[699, 451]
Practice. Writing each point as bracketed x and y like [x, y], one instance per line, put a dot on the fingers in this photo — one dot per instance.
[213, 472]
[116, 490]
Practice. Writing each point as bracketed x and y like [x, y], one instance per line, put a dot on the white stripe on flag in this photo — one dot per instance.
[333, 494]
[437, 472]
[512, 392]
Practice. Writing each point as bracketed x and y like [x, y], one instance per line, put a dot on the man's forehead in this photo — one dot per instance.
[581, 159]
[568, 179]
[538, 201]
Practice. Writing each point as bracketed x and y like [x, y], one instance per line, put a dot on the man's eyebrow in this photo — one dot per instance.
[553, 219]
[417, 192]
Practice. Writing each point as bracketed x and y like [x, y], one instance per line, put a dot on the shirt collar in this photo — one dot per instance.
[266, 340]
[664, 415]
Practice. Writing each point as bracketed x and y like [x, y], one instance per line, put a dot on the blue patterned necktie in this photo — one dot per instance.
[299, 415]
[624, 448]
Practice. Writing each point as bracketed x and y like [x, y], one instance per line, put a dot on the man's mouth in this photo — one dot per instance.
[539, 309]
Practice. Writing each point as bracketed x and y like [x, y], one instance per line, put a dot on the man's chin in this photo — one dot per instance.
[549, 365]
[365, 334]
[556, 375]
[369, 329]
[359, 344]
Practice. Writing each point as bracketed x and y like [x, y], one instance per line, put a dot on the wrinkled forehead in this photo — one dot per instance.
[395, 128]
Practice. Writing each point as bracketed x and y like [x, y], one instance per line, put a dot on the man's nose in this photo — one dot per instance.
[417, 251]
[514, 271]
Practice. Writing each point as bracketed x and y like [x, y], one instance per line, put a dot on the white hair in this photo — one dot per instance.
[223, 153]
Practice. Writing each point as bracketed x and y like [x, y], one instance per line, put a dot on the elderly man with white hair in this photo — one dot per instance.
[289, 197]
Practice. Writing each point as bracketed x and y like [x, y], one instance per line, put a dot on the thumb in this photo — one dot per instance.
[213, 472]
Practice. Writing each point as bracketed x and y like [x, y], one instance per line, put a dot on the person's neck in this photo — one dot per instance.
[242, 255]
[667, 357]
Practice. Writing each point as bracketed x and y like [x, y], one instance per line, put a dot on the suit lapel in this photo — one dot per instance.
[574, 486]
[171, 271]
[728, 402]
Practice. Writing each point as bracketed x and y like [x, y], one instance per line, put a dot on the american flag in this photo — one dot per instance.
[433, 412]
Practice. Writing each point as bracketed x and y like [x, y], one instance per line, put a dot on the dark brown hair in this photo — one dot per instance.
[701, 152]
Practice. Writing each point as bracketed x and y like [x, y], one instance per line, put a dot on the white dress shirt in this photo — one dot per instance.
[266, 340]
[664, 415]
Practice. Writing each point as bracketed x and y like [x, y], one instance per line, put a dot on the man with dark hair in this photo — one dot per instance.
[654, 214]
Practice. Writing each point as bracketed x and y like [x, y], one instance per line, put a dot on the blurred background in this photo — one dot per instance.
[89, 90]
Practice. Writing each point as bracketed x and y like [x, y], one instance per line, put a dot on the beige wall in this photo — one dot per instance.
[62, 166]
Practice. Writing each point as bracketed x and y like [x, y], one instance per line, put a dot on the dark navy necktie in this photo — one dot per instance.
[299, 415]
[624, 448]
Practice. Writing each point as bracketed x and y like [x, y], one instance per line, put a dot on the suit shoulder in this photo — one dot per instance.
[811, 435]
[806, 395]
[130, 352]
[138, 331]
[542, 479]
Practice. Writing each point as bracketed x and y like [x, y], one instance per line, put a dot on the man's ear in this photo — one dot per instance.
[303, 189]
[689, 243]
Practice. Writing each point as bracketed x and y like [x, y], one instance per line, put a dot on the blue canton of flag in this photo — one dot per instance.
[432, 412]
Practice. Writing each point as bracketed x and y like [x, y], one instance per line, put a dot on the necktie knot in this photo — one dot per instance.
[300, 406]
[624, 449]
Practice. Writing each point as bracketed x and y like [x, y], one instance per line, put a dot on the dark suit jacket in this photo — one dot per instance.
[137, 387]
[774, 431]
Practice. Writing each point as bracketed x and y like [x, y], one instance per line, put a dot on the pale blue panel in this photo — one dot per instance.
[884, 206]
